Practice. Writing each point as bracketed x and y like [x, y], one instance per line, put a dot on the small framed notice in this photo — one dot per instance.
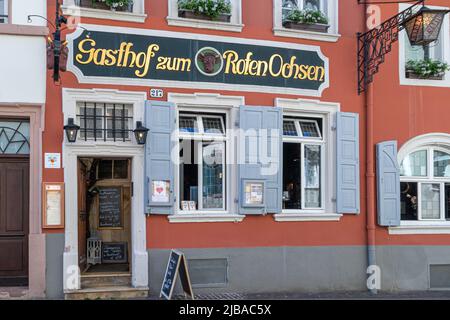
[160, 191]
[253, 193]
[53, 205]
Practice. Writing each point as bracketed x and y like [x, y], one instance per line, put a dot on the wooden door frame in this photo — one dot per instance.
[36, 238]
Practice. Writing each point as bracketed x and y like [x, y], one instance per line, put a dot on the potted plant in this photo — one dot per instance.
[120, 5]
[311, 20]
[217, 10]
[426, 69]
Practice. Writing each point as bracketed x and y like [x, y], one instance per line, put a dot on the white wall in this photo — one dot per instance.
[22, 8]
[23, 58]
[22, 69]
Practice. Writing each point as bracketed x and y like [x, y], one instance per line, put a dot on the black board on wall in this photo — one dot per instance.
[114, 252]
[177, 264]
[110, 208]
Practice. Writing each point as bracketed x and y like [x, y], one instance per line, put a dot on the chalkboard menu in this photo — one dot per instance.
[114, 252]
[177, 264]
[110, 208]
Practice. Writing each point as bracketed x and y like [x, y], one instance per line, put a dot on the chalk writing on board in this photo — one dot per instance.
[110, 208]
[114, 252]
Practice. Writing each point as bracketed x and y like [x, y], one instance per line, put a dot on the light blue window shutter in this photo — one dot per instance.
[347, 165]
[160, 120]
[388, 184]
[260, 156]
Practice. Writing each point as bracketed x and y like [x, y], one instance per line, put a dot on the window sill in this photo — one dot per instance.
[104, 14]
[304, 34]
[421, 228]
[426, 83]
[204, 24]
[205, 217]
[288, 217]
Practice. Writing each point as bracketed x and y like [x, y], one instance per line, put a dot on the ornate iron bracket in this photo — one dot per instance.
[374, 44]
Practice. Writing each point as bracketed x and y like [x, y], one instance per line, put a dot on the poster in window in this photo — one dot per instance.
[160, 191]
[254, 193]
[53, 205]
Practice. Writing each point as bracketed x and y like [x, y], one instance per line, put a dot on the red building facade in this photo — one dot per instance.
[300, 229]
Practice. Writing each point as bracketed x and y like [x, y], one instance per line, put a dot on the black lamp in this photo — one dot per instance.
[71, 130]
[140, 133]
[424, 27]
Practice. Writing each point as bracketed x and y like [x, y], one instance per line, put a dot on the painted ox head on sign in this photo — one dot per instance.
[209, 60]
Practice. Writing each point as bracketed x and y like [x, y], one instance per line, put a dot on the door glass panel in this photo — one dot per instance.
[213, 160]
[14, 137]
[430, 200]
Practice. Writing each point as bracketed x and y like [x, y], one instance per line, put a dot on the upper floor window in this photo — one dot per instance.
[105, 121]
[309, 19]
[425, 184]
[207, 14]
[4, 11]
[119, 5]
[426, 65]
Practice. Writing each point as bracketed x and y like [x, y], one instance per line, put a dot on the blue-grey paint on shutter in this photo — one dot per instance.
[347, 163]
[160, 120]
[388, 184]
[253, 167]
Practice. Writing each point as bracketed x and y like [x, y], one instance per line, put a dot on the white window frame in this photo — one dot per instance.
[235, 24]
[428, 179]
[220, 104]
[199, 138]
[298, 108]
[307, 141]
[445, 36]
[138, 15]
[435, 140]
[333, 32]
[131, 122]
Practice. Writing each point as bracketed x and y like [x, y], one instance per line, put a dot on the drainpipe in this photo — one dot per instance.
[370, 172]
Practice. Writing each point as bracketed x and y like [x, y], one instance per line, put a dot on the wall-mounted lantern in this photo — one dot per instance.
[71, 130]
[140, 133]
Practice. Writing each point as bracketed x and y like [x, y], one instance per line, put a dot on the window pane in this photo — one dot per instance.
[291, 176]
[188, 124]
[311, 5]
[312, 176]
[447, 201]
[441, 164]
[212, 125]
[87, 116]
[430, 200]
[213, 160]
[309, 129]
[3, 11]
[188, 172]
[288, 6]
[414, 164]
[118, 122]
[120, 169]
[14, 137]
[408, 200]
[105, 169]
[289, 128]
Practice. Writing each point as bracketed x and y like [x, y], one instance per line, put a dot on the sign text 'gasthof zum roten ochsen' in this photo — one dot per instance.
[132, 56]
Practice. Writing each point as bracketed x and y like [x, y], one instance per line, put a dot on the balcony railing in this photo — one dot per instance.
[98, 4]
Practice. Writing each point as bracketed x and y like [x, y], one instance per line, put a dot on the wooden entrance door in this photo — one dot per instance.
[82, 215]
[14, 229]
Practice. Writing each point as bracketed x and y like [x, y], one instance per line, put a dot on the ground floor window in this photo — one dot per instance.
[425, 184]
[302, 163]
[202, 171]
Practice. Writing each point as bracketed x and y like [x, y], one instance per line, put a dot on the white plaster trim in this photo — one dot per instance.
[429, 139]
[205, 217]
[235, 24]
[205, 24]
[333, 32]
[305, 34]
[421, 228]
[206, 99]
[71, 152]
[195, 85]
[446, 54]
[288, 217]
[328, 110]
[103, 14]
